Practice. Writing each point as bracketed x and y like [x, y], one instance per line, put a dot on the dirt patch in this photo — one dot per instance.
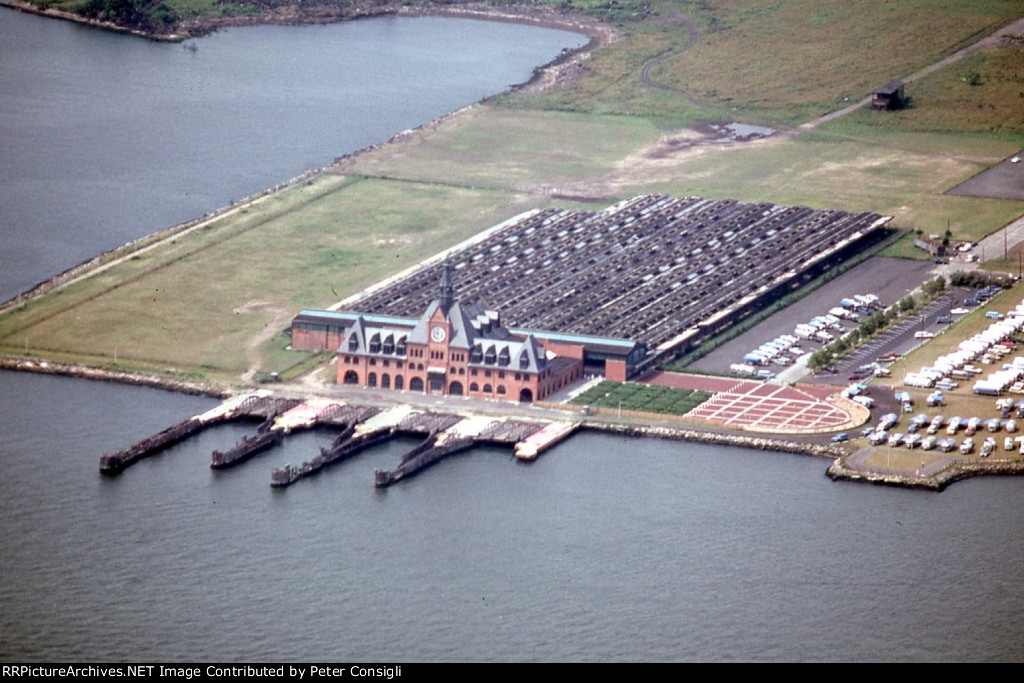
[279, 317]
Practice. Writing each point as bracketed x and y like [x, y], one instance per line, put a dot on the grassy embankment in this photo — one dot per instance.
[211, 305]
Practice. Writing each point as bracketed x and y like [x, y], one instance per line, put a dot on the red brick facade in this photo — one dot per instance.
[444, 366]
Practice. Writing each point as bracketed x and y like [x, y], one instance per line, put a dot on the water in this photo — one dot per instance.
[605, 549]
[106, 138]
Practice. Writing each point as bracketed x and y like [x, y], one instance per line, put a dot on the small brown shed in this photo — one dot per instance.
[889, 96]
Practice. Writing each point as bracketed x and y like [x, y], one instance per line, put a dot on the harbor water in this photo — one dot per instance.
[604, 549]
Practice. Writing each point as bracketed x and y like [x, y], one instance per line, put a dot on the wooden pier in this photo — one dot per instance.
[362, 427]
[258, 405]
[112, 463]
[470, 431]
[280, 418]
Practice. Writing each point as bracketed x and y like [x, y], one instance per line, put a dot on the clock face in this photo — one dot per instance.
[437, 334]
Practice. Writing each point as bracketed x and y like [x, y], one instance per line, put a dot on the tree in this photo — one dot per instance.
[971, 78]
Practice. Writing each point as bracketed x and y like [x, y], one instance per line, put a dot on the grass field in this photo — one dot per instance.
[641, 397]
[212, 304]
[781, 62]
[194, 304]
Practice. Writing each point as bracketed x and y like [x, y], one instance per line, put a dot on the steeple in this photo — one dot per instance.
[447, 290]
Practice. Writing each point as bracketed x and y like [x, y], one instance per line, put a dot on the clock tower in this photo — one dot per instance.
[446, 296]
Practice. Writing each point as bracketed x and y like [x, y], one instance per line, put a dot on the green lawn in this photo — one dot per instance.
[641, 398]
[196, 303]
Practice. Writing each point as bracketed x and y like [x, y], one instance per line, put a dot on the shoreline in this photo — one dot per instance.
[839, 470]
[132, 378]
[544, 76]
[545, 17]
[29, 8]
[599, 35]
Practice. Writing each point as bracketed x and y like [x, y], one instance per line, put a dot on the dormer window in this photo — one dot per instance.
[524, 360]
[400, 348]
[353, 343]
[490, 356]
[389, 344]
[375, 343]
[476, 355]
[504, 358]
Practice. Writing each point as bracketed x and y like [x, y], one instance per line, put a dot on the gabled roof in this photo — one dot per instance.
[469, 323]
[355, 337]
[525, 355]
[420, 331]
[365, 335]
[890, 88]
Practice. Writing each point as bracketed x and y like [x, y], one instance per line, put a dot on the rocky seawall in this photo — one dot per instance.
[840, 470]
[721, 439]
[142, 379]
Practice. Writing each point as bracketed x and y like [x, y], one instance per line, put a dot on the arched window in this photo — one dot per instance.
[455, 389]
[501, 389]
[474, 387]
[416, 384]
[351, 377]
[525, 396]
[371, 379]
[488, 389]
[385, 381]
[399, 382]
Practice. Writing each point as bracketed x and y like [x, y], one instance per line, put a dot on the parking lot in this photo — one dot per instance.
[1005, 180]
[900, 338]
[890, 279]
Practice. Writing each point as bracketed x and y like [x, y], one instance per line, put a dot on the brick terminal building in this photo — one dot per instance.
[453, 348]
[615, 291]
